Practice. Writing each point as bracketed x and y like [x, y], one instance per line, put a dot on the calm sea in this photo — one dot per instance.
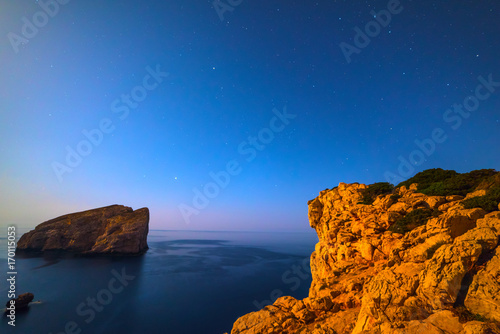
[188, 282]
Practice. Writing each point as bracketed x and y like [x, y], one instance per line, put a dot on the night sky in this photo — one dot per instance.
[235, 124]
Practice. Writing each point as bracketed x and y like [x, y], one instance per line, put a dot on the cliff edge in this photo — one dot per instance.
[395, 260]
[114, 229]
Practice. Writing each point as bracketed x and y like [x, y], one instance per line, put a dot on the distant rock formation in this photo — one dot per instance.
[22, 301]
[114, 229]
[439, 274]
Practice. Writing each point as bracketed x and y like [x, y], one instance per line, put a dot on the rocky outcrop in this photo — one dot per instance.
[21, 302]
[114, 229]
[440, 277]
[484, 292]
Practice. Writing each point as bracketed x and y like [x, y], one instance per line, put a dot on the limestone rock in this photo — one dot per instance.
[476, 193]
[433, 202]
[370, 280]
[315, 211]
[457, 222]
[115, 229]
[438, 323]
[22, 301]
[491, 220]
[399, 207]
[426, 249]
[478, 327]
[452, 198]
[441, 279]
[483, 297]
[484, 236]
[383, 300]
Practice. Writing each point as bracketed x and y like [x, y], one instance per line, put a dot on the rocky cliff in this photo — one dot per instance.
[114, 229]
[405, 263]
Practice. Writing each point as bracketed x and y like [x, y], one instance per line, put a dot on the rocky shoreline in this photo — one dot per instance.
[405, 263]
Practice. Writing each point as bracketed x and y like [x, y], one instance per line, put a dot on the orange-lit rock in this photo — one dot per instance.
[369, 280]
[115, 229]
[484, 293]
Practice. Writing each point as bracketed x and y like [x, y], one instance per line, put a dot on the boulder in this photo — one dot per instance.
[438, 323]
[483, 297]
[485, 236]
[441, 279]
[476, 193]
[456, 222]
[383, 300]
[491, 220]
[22, 301]
[114, 229]
[478, 327]
[425, 250]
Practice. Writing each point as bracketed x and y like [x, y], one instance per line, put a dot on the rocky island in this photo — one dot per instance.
[113, 230]
[422, 257]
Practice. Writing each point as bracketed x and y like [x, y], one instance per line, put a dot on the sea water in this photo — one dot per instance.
[187, 282]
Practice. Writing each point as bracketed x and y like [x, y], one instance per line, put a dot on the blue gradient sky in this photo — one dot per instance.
[353, 120]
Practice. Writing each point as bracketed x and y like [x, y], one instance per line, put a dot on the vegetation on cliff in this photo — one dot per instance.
[488, 202]
[374, 190]
[422, 257]
[413, 219]
[439, 182]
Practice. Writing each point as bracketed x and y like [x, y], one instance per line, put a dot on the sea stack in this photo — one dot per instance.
[113, 230]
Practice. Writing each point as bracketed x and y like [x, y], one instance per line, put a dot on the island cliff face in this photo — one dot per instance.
[114, 229]
[440, 277]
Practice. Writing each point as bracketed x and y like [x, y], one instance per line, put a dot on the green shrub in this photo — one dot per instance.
[395, 197]
[373, 190]
[464, 315]
[488, 202]
[412, 220]
[439, 182]
[428, 177]
[490, 182]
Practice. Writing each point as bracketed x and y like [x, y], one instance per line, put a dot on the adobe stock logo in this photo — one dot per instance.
[247, 149]
[455, 116]
[372, 29]
[93, 305]
[222, 7]
[121, 107]
[293, 277]
[30, 28]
